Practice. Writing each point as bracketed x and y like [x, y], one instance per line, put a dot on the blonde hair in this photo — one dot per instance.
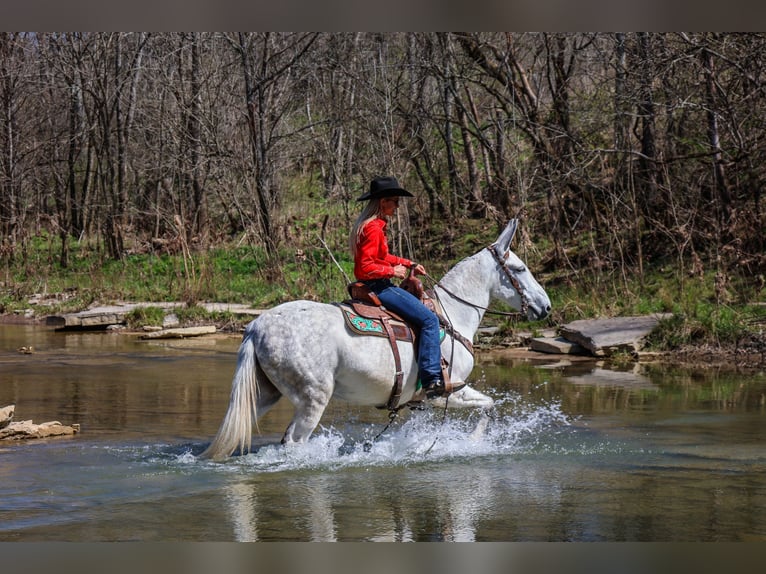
[371, 211]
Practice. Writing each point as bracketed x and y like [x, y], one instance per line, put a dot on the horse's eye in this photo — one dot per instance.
[517, 268]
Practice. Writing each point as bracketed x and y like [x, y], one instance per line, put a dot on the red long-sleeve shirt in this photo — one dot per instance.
[373, 261]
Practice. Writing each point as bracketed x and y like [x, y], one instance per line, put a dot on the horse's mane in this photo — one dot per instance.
[462, 263]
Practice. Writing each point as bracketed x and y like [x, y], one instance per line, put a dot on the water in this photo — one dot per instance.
[574, 453]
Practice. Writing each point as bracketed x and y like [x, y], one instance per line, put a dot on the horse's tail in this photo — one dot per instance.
[236, 429]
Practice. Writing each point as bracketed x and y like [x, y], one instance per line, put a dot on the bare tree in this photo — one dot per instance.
[12, 64]
[651, 143]
[270, 72]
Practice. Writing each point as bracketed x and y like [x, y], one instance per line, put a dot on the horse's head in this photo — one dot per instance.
[517, 286]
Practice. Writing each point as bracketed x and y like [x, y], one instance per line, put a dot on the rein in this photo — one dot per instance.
[514, 282]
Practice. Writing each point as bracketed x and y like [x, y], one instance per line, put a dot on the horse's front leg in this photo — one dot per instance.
[481, 426]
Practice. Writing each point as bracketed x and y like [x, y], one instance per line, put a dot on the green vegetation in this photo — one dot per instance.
[143, 316]
[707, 308]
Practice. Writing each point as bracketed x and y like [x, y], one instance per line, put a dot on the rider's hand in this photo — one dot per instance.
[419, 269]
[400, 271]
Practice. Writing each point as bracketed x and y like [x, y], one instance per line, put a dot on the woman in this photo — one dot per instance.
[375, 267]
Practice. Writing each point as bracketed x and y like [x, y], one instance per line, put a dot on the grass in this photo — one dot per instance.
[144, 316]
[701, 313]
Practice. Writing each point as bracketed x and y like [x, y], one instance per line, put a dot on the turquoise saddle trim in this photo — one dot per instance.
[365, 325]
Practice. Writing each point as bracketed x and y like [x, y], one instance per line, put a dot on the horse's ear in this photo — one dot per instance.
[504, 241]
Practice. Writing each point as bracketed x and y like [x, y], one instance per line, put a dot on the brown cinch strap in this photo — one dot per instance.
[455, 335]
[396, 392]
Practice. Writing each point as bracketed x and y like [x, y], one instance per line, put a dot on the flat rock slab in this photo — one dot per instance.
[556, 346]
[23, 430]
[181, 332]
[104, 316]
[603, 337]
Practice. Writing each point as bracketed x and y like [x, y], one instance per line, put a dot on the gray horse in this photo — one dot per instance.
[303, 350]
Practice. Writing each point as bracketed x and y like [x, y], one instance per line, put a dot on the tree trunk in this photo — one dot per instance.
[719, 172]
[647, 183]
[195, 132]
[9, 184]
[253, 103]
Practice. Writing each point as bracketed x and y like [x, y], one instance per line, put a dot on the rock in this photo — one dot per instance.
[6, 415]
[488, 331]
[556, 345]
[604, 337]
[28, 430]
[181, 332]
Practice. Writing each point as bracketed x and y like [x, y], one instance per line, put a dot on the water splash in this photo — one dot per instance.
[420, 436]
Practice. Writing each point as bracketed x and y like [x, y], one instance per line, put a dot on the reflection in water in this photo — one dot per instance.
[242, 503]
[600, 377]
[575, 451]
[463, 508]
[321, 516]
[406, 487]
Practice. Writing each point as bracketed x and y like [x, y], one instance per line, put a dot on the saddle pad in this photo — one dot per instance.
[366, 326]
[370, 326]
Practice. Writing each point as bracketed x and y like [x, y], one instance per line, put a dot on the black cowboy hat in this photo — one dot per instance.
[385, 187]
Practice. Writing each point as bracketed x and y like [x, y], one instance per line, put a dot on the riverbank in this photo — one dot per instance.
[746, 355]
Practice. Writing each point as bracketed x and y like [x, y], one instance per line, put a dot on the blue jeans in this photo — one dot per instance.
[409, 308]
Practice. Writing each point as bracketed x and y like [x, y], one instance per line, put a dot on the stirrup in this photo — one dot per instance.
[442, 389]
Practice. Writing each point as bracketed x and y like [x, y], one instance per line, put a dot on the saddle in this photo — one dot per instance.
[365, 315]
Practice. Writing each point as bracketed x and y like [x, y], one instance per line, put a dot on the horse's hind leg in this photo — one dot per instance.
[308, 412]
[267, 394]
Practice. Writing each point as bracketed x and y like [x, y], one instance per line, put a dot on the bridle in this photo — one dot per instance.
[509, 273]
